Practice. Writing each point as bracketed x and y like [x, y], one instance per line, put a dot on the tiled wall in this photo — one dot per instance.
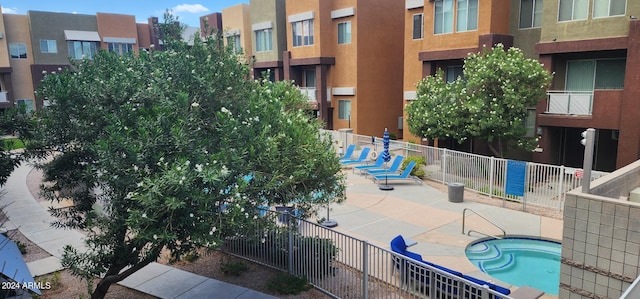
[601, 239]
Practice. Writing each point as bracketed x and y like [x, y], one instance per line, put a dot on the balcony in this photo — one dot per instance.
[309, 92]
[570, 102]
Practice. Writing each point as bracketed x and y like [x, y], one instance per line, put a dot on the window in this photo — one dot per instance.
[467, 15]
[530, 122]
[530, 13]
[27, 103]
[18, 50]
[234, 42]
[264, 40]
[344, 33]
[48, 46]
[608, 8]
[587, 75]
[443, 19]
[302, 33]
[344, 109]
[418, 26]
[452, 73]
[310, 78]
[120, 48]
[82, 49]
[573, 10]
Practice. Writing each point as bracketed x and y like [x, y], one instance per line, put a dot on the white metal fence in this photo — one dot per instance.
[343, 266]
[545, 185]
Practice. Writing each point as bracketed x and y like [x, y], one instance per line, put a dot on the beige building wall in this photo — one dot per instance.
[17, 31]
[236, 19]
[4, 47]
[270, 11]
[590, 28]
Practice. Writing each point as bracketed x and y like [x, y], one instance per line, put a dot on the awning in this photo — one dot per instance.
[120, 40]
[13, 267]
[91, 36]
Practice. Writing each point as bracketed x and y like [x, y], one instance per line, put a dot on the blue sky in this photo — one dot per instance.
[187, 12]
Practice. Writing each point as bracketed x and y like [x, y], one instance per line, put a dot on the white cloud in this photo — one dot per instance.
[190, 8]
[9, 10]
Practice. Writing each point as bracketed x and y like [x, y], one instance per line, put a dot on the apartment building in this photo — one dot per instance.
[38, 43]
[269, 37]
[347, 56]
[211, 24]
[439, 34]
[593, 47]
[16, 58]
[236, 26]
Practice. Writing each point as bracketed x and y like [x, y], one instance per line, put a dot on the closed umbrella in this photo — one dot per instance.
[386, 157]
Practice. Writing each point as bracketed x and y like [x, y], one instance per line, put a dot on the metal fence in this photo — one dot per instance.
[343, 266]
[545, 185]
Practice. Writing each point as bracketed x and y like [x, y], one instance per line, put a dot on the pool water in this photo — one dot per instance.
[519, 261]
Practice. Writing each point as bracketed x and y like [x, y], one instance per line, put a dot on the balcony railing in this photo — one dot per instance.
[310, 92]
[3, 97]
[570, 102]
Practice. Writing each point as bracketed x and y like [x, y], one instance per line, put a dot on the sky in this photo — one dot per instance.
[187, 12]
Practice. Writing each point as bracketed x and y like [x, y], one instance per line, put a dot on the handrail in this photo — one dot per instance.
[504, 233]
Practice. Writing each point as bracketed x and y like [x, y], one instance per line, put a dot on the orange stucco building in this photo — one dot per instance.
[439, 34]
[347, 56]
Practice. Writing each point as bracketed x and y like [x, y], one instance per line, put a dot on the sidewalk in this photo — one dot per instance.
[33, 220]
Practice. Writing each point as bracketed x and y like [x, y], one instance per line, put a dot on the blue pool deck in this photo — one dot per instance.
[423, 214]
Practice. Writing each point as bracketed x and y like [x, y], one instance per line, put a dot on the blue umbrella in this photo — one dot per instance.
[386, 157]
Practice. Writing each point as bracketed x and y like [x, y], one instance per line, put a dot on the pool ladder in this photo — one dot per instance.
[464, 216]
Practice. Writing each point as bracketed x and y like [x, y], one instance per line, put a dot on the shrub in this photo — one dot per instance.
[234, 268]
[310, 254]
[287, 284]
[417, 171]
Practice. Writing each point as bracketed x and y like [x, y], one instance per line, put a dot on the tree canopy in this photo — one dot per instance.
[173, 150]
[15, 120]
[488, 103]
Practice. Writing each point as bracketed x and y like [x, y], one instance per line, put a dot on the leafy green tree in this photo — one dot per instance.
[489, 103]
[16, 121]
[173, 150]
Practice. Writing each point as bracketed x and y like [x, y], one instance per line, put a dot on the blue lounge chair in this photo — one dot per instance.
[411, 271]
[395, 166]
[349, 152]
[378, 164]
[405, 175]
[363, 157]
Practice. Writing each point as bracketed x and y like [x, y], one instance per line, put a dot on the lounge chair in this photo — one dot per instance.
[405, 175]
[378, 164]
[349, 152]
[395, 166]
[361, 159]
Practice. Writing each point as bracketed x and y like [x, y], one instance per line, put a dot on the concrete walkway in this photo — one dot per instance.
[424, 214]
[33, 220]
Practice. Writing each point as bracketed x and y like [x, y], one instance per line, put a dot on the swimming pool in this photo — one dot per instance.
[519, 261]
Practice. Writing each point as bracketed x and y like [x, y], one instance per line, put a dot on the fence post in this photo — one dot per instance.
[526, 188]
[444, 165]
[561, 188]
[492, 168]
[290, 243]
[365, 269]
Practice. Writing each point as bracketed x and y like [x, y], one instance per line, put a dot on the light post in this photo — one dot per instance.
[588, 142]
